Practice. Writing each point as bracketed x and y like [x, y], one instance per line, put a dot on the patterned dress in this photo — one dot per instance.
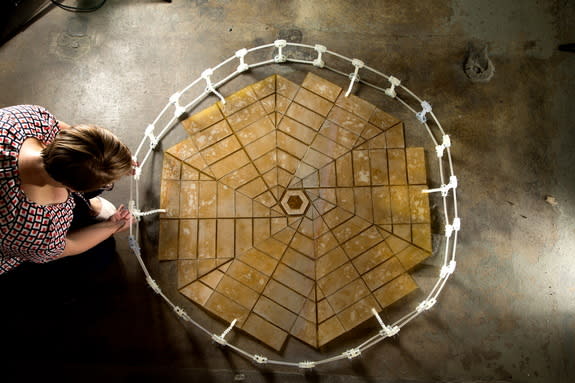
[28, 231]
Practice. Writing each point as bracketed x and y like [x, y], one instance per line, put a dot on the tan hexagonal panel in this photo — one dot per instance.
[294, 210]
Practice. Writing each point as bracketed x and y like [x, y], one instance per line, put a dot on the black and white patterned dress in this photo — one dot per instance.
[28, 231]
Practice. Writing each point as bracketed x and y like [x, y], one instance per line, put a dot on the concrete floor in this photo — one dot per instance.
[508, 313]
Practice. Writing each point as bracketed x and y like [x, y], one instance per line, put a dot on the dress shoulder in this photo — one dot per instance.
[25, 121]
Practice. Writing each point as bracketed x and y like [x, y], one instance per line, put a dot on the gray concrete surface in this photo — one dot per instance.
[508, 314]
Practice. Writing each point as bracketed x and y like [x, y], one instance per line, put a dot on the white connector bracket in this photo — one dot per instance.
[175, 99]
[138, 214]
[354, 77]
[221, 339]
[206, 75]
[280, 45]
[455, 226]
[444, 145]
[182, 314]
[421, 116]
[241, 54]
[306, 364]
[391, 90]
[136, 168]
[444, 189]
[320, 49]
[352, 353]
[386, 331]
[260, 359]
[154, 285]
[149, 132]
[426, 305]
[448, 270]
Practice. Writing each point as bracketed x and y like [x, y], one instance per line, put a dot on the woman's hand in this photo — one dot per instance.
[87, 237]
[122, 218]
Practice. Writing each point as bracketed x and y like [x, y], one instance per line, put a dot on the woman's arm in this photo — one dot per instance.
[84, 239]
[81, 240]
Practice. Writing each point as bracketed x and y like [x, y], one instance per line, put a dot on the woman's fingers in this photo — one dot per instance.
[126, 223]
[123, 218]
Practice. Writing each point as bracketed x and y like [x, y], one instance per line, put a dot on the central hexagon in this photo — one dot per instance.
[295, 210]
[294, 202]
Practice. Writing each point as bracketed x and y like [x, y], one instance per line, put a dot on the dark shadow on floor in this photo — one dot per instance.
[49, 309]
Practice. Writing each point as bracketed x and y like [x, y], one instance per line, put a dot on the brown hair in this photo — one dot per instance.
[86, 157]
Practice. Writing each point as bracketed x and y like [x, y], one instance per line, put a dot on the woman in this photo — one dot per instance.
[48, 173]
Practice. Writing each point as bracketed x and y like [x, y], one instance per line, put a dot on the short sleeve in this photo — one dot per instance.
[49, 125]
[31, 121]
[45, 124]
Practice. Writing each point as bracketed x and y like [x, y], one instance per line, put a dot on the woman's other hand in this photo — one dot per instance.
[122, 218]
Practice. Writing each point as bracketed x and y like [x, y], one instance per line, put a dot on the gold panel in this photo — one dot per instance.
[356, 219]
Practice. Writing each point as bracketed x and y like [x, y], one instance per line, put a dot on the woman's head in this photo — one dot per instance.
[86, 157]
